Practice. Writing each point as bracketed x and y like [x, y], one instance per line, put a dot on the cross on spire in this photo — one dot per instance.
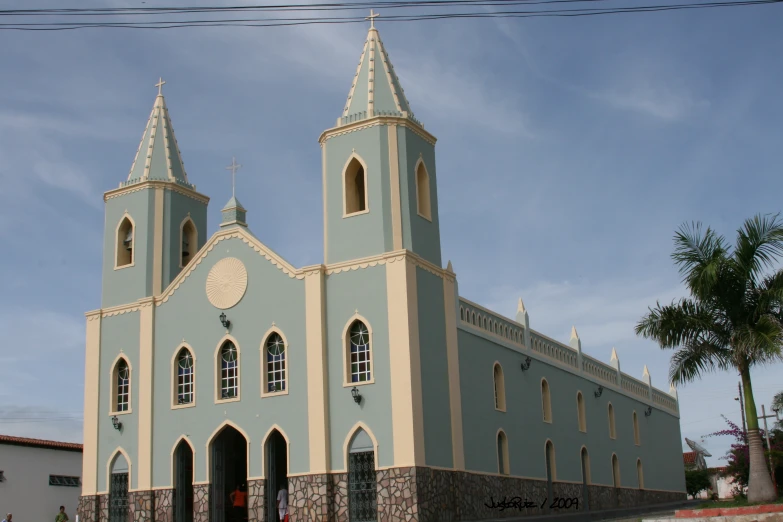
[372, 18]
[233, 168]
[160, 85]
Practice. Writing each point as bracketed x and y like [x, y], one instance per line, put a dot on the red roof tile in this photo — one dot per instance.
[40, 443]
[689, 458]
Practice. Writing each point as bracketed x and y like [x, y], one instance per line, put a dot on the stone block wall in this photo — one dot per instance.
[87, 509]
[255, 500]
[141, 506]
[103, 508]
[201, 503]
[164, 505]
[308, 496]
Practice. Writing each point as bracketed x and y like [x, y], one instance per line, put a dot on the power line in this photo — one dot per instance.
[277, 22]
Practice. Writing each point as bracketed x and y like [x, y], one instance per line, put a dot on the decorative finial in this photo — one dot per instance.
[233, 168]
[520, 306]
[160, 85]
[614, 355]
[449, 267]
[574, 335]
[372, 18]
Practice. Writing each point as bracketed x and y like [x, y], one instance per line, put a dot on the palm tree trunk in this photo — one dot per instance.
[760, 487]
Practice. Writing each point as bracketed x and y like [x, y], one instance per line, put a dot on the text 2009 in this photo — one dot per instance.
[517, 502]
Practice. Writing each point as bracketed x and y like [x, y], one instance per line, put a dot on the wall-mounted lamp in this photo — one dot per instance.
[648, 411]
[357, 397]
[526, 364]
[599, 391]
[116, 423]
[224, 321]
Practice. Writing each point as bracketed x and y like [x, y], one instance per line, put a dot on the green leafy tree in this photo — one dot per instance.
[777, 407]
[733, 319]
[696, 481]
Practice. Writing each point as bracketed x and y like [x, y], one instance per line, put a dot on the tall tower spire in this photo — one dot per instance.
[376, 90]
[158, 156]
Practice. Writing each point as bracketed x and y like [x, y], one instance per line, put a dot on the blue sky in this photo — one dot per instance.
[569, 151]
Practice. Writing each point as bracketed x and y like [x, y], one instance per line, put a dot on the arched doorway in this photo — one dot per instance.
[550, 470]
[276, 472]
[228, 470]
[118, 489]
[362, 494]
[183, 482]
[585, 479]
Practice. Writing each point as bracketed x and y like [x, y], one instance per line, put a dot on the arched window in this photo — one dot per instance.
[275, 363]
[639, 473]
[126, 237]
[585, 467]
[612, 433]
[615, 471]
[551, 467]
[188, 242]
[500, 387]
[580, 411]
[474, 318]
[355, 183]
[636, 438]
[228, 360]
[502, 443]
[423, 201]
[359, 352]
[546, 401]
[185, 377]
[121, 386]
[461, 313]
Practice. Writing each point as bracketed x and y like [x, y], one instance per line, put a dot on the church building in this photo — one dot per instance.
[365, 385]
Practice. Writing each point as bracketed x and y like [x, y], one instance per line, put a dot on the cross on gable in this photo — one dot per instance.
[233, 168]
[160, 85]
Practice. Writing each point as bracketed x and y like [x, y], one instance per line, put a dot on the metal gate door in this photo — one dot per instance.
[217, 496]
[271, 481]
[183, 494]
[118, 498]
[362, 495]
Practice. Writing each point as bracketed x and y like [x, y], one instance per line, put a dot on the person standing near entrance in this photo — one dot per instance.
[239, 501]
[8, 517]
[282, 504]
[61, 516]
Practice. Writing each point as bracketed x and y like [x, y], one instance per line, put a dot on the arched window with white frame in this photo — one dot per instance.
[188, 242]
[423, 199]
[359, 353]
[615, 471]
[276, 369]
[228, 371]
[355, 187]
[121, 386]
[580, 412]
[636, 436]
[610, 413]
[185, 375]
[546, 401]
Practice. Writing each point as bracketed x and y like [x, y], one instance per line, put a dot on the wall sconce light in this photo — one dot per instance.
[526, 364]
[648, 411]
[599, 391]
[224, 321]
[116, 423]
[357, 397]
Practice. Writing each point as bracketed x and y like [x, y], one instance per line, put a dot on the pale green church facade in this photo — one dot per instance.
[366, 385]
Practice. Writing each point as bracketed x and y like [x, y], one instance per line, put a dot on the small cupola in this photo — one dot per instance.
[233, 213]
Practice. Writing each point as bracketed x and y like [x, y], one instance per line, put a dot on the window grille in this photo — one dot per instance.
[185, 377]
[360, 352]
[60, 480]
[275, 363]
[229, 371]
[123, 386]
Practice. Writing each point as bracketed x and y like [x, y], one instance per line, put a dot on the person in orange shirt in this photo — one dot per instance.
[239, 502]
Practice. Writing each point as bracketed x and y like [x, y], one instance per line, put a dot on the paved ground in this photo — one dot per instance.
[614, 515]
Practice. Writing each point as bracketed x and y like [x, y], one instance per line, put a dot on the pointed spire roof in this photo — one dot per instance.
[376, 90]
[158, 156]
[574, 335]
[520, 306]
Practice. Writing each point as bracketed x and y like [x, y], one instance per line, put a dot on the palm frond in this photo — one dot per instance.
[699, 256]
[759, 342]
[759, 244]
[693, 361]
[680, 323]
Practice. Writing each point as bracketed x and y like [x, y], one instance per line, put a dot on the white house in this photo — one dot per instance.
[37, 477]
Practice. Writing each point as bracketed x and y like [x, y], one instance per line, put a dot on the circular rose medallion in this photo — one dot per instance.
[226, 283]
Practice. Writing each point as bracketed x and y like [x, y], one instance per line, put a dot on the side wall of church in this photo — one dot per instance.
[527, 432]
[271, 298]
[119, 336]
[434, 369]
[418, 234]
[359, 235]
[126, 285]
[360, 293]
[178, 207]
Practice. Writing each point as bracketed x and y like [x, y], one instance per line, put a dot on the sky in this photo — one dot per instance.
[569, 151]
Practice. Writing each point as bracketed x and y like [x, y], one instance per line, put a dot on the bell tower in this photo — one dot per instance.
[379, 175]
[156, 221]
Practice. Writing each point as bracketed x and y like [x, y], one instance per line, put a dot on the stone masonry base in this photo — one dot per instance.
[417, 494]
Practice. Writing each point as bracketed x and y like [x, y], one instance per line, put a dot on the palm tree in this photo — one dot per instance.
[733, 319]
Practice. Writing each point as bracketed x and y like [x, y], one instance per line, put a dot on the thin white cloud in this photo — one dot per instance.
[659, 101]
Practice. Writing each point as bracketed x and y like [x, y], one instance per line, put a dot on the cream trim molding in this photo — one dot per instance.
[92, 371]
[351, 157]
[395, 188]
[125, 216]
[117, 451]
[375, 121]
[266, 436]
[152, 184]
[113, 386]
[218, 368]
[182, 236]
[347, 443]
